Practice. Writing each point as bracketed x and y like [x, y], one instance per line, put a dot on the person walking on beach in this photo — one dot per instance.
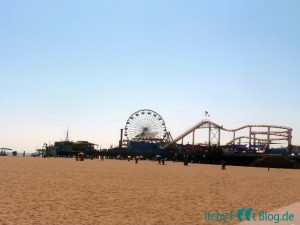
[223, 163]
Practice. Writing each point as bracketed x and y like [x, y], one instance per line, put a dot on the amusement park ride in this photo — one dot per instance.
[146, 125]
[149, 127]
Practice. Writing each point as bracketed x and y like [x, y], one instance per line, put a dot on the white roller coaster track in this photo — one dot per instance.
[214, 125]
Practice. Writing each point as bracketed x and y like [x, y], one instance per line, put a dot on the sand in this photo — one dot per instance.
[65, 191]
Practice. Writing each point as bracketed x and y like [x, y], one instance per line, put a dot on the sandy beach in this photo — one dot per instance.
[65, 191]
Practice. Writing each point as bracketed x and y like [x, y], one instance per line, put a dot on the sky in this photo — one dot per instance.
[87, 66]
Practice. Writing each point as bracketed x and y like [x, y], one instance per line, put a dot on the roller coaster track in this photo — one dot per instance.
[258, 139]
[286, 131]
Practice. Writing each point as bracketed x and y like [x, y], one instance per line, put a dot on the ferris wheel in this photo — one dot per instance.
[145, 125]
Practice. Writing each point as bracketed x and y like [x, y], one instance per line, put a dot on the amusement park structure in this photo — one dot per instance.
[270, 134]
[148, 126]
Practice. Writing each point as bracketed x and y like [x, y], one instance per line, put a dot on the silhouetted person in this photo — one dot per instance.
[223, 165]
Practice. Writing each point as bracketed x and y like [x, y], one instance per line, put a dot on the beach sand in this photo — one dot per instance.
[65, 191]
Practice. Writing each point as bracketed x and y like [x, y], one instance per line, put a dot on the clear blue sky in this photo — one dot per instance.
[90, 64]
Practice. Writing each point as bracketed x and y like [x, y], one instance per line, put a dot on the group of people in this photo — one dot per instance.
[161, 161]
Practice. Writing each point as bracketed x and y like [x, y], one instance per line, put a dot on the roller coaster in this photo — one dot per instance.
[271, 132]
[148, 126]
